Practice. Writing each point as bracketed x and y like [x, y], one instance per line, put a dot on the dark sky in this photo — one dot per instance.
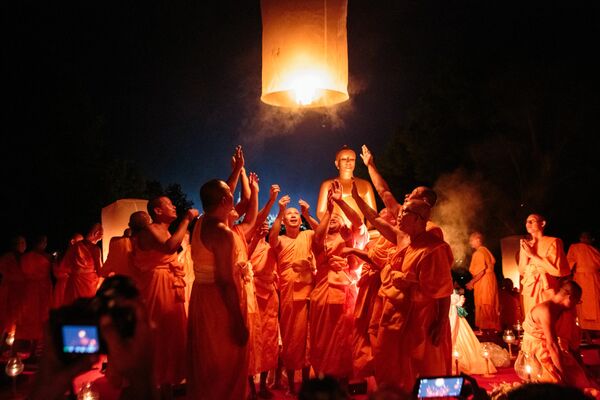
[176, 85]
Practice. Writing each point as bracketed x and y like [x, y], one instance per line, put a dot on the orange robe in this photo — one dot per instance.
[159, 278]
[331, 312]
[248, 300]
[367, 310]
[295, 263]
[60, 270]
[185, 259]
[38, 295]
[586, 261]
[217, 367]
[416, 277]
[539, 284]
[119, 258]
[83, 259]
[12, 291]
[436, 230]
[264, 263]
[534, 344]
[487, 304]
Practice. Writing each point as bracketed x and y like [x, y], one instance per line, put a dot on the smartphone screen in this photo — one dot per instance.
[80, 339]
[440, 387]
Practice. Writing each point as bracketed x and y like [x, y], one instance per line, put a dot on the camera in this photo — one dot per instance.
[439, 386]
[75, 328]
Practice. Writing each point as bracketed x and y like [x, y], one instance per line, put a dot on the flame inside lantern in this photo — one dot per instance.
[305, 53]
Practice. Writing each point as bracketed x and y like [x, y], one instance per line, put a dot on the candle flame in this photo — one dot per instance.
[528, 368]
[306, 88]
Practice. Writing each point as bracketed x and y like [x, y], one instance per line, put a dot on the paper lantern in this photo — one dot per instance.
[115, 219]
[304, 53]
[510, 252]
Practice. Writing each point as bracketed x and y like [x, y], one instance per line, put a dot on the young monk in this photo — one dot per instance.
[60, 270]
[12, 285]
[84, 261]
[37, 266]
[542, 262]
[484, 285]
[332, 299]
[160, 279]
[414, 333]
[295, 263]
[584, 260]
[543, 338]
[217, 347]
[367, 310]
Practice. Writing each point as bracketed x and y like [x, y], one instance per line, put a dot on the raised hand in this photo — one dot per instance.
[283, 203]
[274, 192]
[237, 160]
[366, 156]
[253, 180]
[192, 214]
[336, 190]
[330, 201]
[304, 206]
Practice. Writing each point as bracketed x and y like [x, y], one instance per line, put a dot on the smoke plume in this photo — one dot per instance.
[458, 210]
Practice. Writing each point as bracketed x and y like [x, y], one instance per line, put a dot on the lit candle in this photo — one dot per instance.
[10, 338]
[456, 355]
[528, 370]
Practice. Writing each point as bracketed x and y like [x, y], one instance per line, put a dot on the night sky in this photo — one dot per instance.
[170, 88]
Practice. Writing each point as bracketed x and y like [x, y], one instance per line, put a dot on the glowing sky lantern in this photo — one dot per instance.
[304, 53]
[115, 219]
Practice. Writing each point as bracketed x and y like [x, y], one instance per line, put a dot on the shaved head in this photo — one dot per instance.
[423, 193]
[211, 194]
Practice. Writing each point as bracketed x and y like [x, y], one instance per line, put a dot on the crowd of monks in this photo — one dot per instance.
[360, 294]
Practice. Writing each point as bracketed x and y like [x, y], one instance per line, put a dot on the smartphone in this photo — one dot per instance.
[442, 386]
[80, 339]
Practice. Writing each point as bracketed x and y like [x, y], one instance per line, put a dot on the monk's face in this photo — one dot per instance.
[410, 218]
[335, 223]
[475, 241]
[20, 245]
[166, 210]
[227, 197]
[42, 244]
[346, 160]
[292, 218]
[95, 234]
[534, 224]
[78, 237]
[572, 300]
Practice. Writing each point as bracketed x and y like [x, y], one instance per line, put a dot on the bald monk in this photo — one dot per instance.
[217, 334]
[295, 263]
[159, 277]
[12, 284]
[542, 261]
[367, 310]
[393, 206]
[37, 266]
[414, 332]
[84, 261]
[60, 270]
[332, 300]
[345, 161]
[543, 338]
[484, 285]
[120, 249]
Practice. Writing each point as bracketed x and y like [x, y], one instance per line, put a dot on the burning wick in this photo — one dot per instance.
[528, 370]
[305, 89]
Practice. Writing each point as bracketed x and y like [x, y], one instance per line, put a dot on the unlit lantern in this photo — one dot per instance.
[304, 52]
